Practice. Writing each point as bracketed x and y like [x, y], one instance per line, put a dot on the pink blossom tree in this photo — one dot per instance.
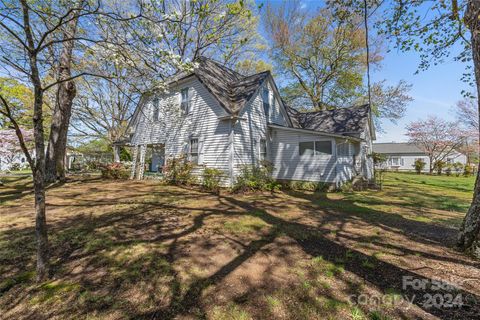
[436, 137]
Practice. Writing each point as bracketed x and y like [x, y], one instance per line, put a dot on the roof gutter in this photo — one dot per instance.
[333, 135]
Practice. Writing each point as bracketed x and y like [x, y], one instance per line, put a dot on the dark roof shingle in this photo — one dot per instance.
[347, 121]
[396, 148]
[231, 89]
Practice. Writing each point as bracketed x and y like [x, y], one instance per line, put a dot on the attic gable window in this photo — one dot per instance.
[266, 101]
[156, 109]
[185, 103]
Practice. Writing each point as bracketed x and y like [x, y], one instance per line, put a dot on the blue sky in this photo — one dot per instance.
[435, 91]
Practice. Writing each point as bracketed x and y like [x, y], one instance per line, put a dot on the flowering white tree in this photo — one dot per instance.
[10, 148]
[33, 34]
[436, 137]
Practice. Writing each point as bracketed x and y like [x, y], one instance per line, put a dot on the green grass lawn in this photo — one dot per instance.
[142, 250]
[418, 197]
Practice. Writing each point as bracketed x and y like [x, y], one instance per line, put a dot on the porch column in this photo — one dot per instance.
[141, 169]
[134, 161]
[116, 153]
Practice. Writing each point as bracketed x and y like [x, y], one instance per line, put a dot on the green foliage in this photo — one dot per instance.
[378, 158]
[125, 154]
[95, 146]
[438, 166]
[347, 187]
[458, 168]
[178, 171]
[448, 169]
[248, 67]
[379, 161]
[419, 165]
[319, 38]
[114, 171]
[468, 170]
[256, 178]
[306, 185]
[20, 98]
[212, 179]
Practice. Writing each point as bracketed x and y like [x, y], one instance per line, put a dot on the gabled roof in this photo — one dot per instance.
[396, 148]
[345, 121]
[230, 88]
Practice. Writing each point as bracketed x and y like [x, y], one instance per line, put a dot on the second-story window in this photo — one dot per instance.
[266, 102]
[185, 104]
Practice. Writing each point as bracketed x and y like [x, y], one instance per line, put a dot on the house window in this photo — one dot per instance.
[323, 147]
[318, 148]
[194, 150]
[156, 109]
[396, 161]
[185, 104]
[266, 102]
[263, 149]
[307, 148]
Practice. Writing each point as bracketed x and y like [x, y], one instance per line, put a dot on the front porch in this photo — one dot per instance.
[147, 159]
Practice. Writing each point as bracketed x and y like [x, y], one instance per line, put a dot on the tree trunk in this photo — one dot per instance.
[66, 92]
[469, 238]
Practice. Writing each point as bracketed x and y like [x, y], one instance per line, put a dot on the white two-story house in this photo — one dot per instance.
[220, 119]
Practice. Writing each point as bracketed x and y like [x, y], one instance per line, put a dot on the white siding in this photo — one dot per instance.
[277, 115]
[345, 164]
[176, 130]
[289, 165]
[247, 134]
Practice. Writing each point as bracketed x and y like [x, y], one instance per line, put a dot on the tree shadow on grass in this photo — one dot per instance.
[152, 222]
[384, 275]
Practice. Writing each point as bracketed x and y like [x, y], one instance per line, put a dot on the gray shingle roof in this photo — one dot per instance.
[396, 148]
[231, 89]
[347, 121]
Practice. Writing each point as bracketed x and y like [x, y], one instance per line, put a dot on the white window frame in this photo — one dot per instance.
[263, 152]
[397, 160]
[185, 100]
[315, 152]
[266, 102]
[193, 155]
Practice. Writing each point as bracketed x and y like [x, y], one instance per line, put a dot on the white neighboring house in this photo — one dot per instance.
[11, 160]
[221, 119]
[401, 156]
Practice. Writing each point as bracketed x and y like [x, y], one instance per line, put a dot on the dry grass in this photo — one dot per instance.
[139, 250]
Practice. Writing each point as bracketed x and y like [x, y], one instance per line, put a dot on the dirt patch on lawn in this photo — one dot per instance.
[140, 250]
